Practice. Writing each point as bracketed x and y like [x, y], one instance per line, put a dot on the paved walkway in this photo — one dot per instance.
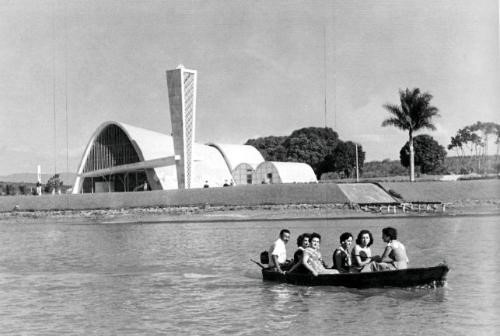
[365, 193]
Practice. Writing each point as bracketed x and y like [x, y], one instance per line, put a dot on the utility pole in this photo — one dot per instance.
[357, 166]
[324, 68]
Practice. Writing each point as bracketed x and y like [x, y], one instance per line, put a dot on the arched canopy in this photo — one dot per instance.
[111, 139]
[284, 172]
[244, 173]
[236, 154]
[110, 148]
[120, 157]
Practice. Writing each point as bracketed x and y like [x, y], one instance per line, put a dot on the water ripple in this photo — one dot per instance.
[196, 279]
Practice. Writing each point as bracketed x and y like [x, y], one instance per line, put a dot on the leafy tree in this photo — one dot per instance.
[53, 184]
[311, 145]
[484, 129]
[271, 147]
[10, 189]
[429, 154]
[343, 159]
[472, 142]
[414, 113]
[497, 138]
[458, 143]
[497, 168]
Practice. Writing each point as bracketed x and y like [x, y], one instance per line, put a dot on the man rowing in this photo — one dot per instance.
[277, 252]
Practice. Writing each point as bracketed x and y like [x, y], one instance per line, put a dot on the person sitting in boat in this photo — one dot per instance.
[312, 257]
[394, 256]
[361, 253]
[277, 252]
[302, 243]
[342, 255]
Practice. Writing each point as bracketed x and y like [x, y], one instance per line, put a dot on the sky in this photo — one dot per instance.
[265, 67]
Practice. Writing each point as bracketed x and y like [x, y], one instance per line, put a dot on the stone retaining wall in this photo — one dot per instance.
[449, 191]
[250, 195]
[236, 195]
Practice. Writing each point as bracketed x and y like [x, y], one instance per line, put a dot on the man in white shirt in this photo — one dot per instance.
[277, 252]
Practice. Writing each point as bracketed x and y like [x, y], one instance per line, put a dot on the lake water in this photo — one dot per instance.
[196, 279]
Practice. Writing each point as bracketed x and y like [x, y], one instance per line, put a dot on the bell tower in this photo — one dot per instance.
[181, 84]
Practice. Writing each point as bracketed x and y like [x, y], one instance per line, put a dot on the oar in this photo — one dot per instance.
[258, 263]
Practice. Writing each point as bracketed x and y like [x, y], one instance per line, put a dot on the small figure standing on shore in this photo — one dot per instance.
[39, 188]
[277, 252]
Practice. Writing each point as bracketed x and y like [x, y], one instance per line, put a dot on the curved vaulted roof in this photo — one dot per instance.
[245, 165]
[148, 145]
[236, 154]
[114, 144]
[289, 172]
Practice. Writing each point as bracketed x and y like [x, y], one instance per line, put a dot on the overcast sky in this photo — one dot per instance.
[261, 69]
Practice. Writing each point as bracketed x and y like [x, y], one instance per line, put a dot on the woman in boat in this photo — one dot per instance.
[312, 259]
[302, 243]
[361, 253]
[342, 255]
[394, 256]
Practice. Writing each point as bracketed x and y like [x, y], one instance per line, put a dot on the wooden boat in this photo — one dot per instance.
[411, 277]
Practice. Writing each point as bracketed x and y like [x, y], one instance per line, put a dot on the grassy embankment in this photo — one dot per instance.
[262, 202]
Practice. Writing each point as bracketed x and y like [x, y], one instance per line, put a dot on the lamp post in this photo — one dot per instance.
[357, 166]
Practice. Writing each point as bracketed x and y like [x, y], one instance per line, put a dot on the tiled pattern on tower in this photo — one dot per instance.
[188, 123]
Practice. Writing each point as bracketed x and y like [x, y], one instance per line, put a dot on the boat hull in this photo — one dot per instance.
[410, 277]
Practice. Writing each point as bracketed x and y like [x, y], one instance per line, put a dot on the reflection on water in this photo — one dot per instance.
[196, 279]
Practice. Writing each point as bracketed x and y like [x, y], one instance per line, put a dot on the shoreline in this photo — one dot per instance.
[207, 214]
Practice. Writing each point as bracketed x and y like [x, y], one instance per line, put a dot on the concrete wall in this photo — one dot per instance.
[236, 195]
[365, 193]
[449, 191]
[323, 193]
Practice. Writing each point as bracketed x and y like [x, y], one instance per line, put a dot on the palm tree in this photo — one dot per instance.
[415, 113]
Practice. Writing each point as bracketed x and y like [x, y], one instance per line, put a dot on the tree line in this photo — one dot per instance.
[54, 184]
[319, 147]
[415, 112]
[471, 145]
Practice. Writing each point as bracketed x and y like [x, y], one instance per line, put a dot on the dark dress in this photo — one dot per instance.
[344, 266]
[297, 259]
[297, 256]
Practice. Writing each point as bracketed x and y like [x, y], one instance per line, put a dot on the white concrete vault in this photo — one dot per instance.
[121, 157]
